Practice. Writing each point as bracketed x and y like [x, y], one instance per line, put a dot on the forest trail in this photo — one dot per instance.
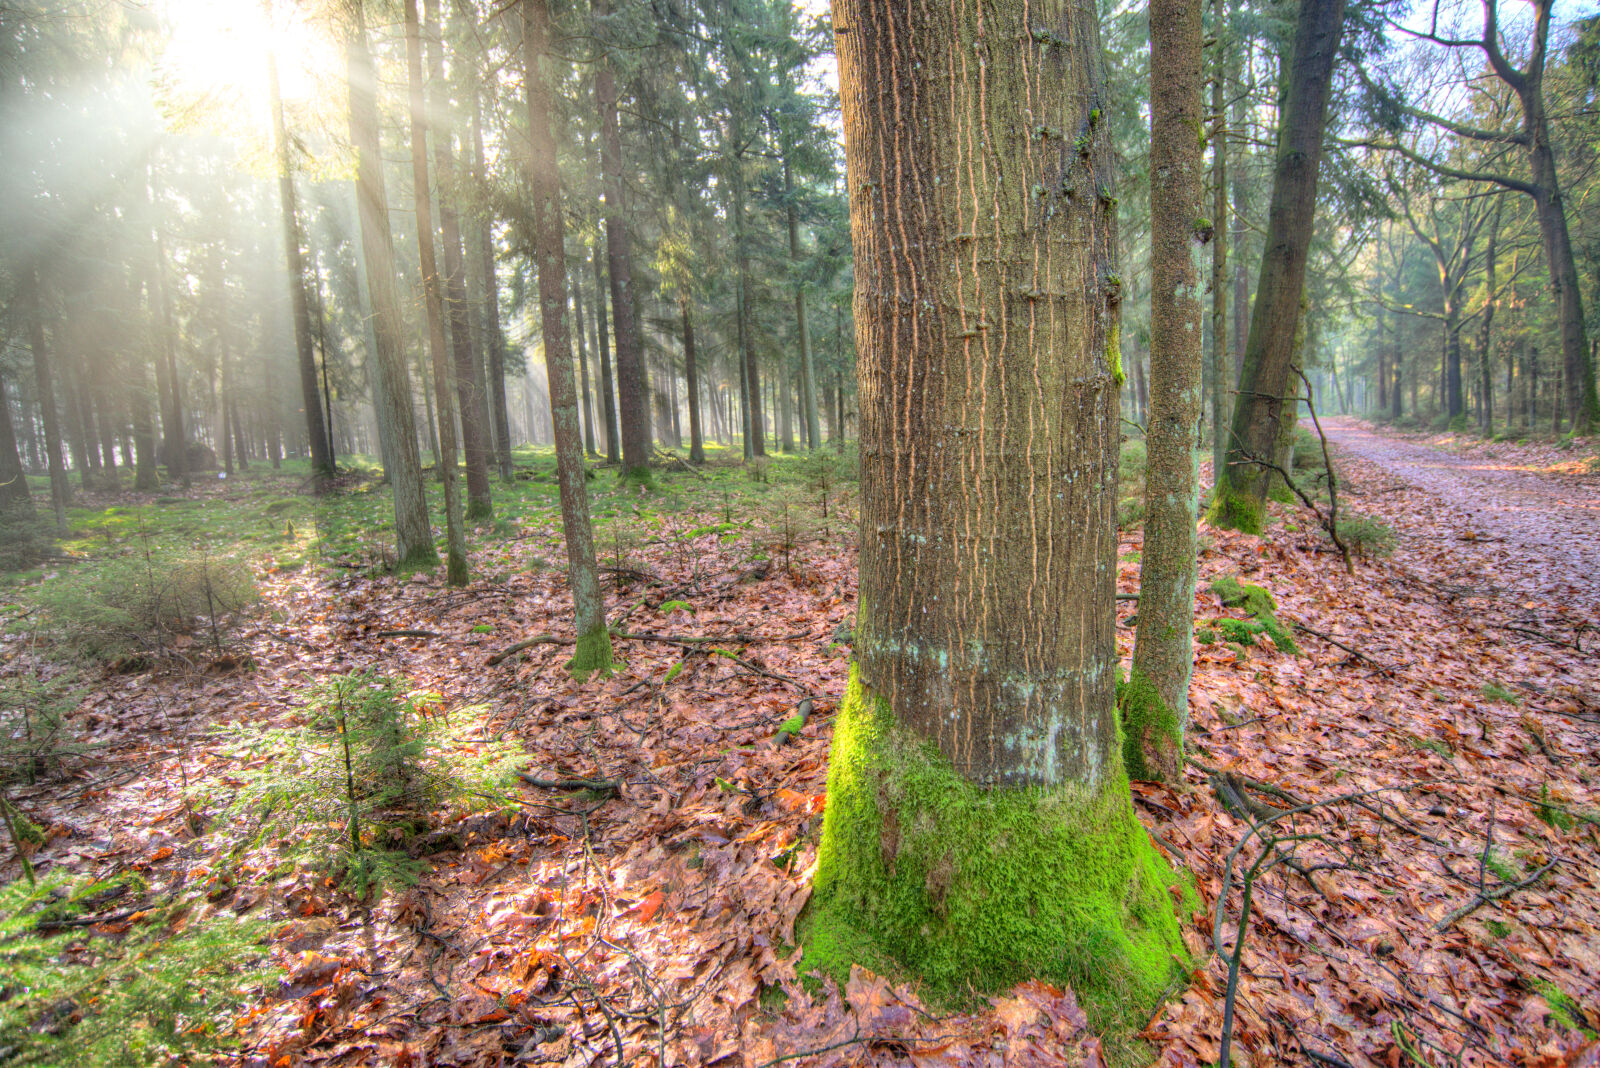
[1530, 528]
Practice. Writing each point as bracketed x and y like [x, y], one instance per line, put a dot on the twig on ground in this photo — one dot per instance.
[526, 643]
[1486, 897]
[1352, 650]
[406, 633]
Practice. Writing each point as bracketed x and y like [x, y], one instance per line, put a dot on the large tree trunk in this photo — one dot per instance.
[1155, 702]
[310, 396]
[979, 827]
[433, 310]
[588, 601]
[632, 396]
[470, 385]
[1241, 493]
[392, 403]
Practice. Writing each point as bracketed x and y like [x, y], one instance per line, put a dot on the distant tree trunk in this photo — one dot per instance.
[975, 757]
[321, 335]
[1491, 301]
[593, 639]
[392, 403]
[14, 496]
[45, 394]
[1240, 498]
[468, 377]
[174, 442]
[808, 377]
[310, 396]
[631, 395]
[1155, 701]
[750, 401]
[456, 573]
[603, 344]
[583, 369]
[691, 371]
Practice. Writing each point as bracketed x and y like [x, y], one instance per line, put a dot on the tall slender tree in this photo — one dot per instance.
[593, 651]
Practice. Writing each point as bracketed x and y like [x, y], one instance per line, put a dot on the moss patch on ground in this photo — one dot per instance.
[970, 889]
[1263, 611]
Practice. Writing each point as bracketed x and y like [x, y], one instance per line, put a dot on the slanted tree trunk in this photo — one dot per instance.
[392, 401]
[979, 828]
[1240, 499]
[295, 269]
[456, 573]
[1155, 701]
[632, 397]
[470, 391]
[588, 601]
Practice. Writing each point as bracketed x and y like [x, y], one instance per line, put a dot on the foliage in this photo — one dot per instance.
[347, 789]
[1365, 535]
[1130, 483]
[166, 991]
[33, 733]
[147, 602]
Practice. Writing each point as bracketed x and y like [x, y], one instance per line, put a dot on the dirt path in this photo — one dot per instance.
[1492, 517]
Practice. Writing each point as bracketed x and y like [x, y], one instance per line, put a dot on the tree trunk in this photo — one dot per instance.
[470, 391]
[45, 394]
[1155, 702]
[392, 402]
[15, 500]
[603, 344]
[174, 442]
[593, 639]
[808, 377]
[1221, 381]
[631, 395]
[691, 371]
[979, 828]
[1240, 498]
[583, 369]
[310, 396]
[433, 309]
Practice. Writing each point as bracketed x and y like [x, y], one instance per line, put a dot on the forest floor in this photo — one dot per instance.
[1409, 787]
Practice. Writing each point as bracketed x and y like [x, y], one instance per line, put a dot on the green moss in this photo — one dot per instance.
[422, 558]
[1553, 815]
[1152, 734]
[1263, 609]
[1114, 350]
[1235, 509]
[971, 889]
[455, 569]
[1564, 1008]
[479, 509]
[591, 653]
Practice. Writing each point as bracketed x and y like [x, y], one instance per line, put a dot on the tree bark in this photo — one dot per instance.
[691, 371]
[1221, 380]
[979, 828]
[1239, 501]
[808, 377]
[583, 369]
[392, 403]
[1155, 701]
[15, 500]
[593, 639]
[310, 396]
[456, 573]
[603, 344]
[471, 394]
[631, 389]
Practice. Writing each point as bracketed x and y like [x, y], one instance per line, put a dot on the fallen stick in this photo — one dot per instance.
[1352, 650]
[1487, 896]
[526, 643]
[793, 725]
[406, 633]
[599, 785]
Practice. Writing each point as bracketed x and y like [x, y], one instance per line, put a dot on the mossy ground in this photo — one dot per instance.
[969, 890]
[1256, 600]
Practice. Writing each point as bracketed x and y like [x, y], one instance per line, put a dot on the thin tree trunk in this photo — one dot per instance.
[808, 378]
[691, 371]
[1221, 382]
[603, 344]
[1240, 499]
[588, 601]
[45, 394]
[456, 573]
[1155, 702]
[494, 340]
[392, 405]
[583, 369]
[310, 398]
[174, 442]
[14, 496]
[631, 396]
[467, 375]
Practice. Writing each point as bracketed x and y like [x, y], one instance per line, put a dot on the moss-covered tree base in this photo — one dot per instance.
[970, 890]
[1152, 733]
[1236, 508]
[421, 558]
[591, 653]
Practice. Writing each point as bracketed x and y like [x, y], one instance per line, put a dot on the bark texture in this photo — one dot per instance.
[979, 827]
[1155, 706]
[1239, 501]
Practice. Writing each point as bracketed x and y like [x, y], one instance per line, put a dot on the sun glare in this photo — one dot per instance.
[217, 52]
